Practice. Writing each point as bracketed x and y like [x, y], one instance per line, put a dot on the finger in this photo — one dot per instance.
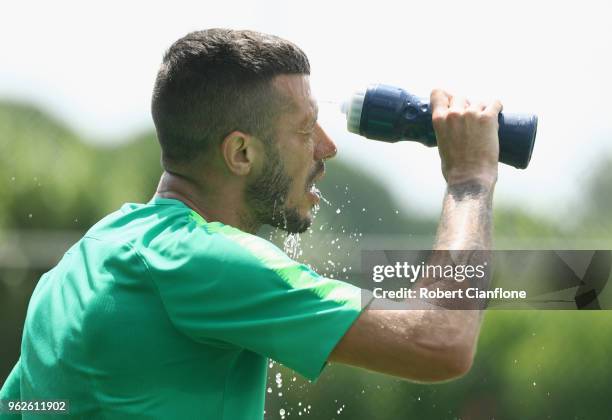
[477, 107]
[494, 107]
[459, 103]
[439, 101]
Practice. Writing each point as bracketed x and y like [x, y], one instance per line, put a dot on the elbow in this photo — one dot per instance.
[445, 362]
[459, 362]
[441, 370]
[451, 363]
[449, 345]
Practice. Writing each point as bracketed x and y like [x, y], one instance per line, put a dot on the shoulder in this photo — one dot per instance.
[189, 243]
[231, 250]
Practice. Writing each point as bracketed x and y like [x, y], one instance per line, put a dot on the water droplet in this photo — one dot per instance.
[281, 411]
[291, 245]
[338, 211]
[30, 216]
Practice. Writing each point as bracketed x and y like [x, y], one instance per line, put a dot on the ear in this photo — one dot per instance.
[241, 152]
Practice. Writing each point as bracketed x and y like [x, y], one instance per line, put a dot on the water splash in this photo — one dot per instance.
[339, 410]
[319, 194]
[274, 211]
[331, 246]
[291, 245]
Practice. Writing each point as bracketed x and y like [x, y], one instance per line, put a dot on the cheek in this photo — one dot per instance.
[297, 196]
[298, 153]
[300, 163]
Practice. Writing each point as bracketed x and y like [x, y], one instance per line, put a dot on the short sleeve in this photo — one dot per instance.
[223, 284]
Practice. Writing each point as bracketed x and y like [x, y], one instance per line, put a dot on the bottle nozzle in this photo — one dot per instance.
[344, 107]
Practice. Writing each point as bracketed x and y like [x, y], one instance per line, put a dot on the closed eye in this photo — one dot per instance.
[308, 133]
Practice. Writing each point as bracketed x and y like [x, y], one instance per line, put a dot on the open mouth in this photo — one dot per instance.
[311, 187]
[315, 193]
[314, 190]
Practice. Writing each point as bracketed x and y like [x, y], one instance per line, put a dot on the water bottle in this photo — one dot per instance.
[391, 114]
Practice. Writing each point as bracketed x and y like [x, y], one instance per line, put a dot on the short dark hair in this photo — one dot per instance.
[215, 81]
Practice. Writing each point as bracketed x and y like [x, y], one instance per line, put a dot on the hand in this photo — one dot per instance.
[467, 138]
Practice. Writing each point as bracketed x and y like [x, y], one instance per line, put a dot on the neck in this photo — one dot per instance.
[213, 204]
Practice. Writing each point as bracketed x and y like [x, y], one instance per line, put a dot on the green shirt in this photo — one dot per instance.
[156, 313]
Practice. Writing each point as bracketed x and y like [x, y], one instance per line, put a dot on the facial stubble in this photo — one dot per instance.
[267, 197]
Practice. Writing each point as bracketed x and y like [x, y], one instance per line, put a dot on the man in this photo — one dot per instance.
[170, 309]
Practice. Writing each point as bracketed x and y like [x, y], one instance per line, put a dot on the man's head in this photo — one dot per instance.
[238, 103]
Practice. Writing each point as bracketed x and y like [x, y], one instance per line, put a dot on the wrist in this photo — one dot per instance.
[471, 187]
[486, 179]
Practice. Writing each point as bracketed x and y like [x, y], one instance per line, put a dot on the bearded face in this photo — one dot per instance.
[268, 196]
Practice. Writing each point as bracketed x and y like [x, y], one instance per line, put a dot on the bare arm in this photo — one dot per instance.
[434, 345]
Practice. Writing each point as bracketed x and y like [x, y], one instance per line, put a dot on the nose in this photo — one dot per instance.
[325, 147]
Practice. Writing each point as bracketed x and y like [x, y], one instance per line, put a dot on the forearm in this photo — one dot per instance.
[464, 238]
[467, 217]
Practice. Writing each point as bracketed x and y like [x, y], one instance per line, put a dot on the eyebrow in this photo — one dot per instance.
[310, 119]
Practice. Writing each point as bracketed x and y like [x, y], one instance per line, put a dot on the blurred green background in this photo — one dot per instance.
[531, 365]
